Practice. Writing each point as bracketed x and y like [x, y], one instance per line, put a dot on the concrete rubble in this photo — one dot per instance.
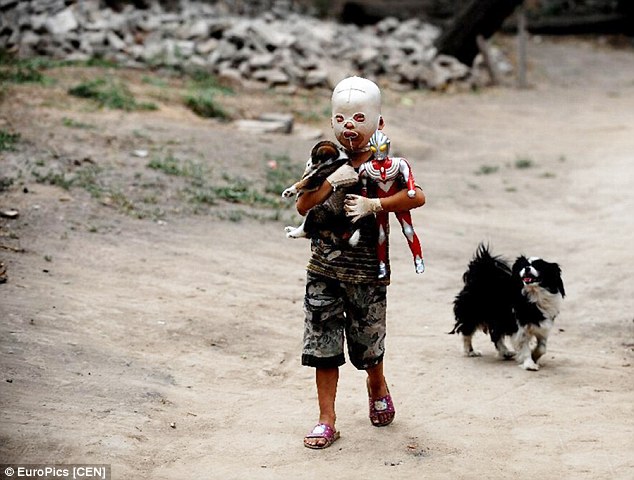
[278, 48]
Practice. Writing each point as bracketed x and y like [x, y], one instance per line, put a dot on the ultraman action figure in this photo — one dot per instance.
[388, 173]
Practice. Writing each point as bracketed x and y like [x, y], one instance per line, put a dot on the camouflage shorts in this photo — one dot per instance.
[336, 310]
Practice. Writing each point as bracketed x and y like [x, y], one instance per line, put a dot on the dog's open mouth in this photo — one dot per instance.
[529, 279]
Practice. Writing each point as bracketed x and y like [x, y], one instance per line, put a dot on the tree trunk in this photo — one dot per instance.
[478, 17]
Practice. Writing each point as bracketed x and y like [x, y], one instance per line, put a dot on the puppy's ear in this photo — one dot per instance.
[556, 272]
[520, 262]
[326, 151]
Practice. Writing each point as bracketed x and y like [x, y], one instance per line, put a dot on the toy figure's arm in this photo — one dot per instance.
[406, 171]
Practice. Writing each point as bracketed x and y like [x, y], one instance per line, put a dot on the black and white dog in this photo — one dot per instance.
[521, 301]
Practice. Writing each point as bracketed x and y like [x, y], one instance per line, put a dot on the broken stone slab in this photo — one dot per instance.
[206, 47]
[261, 61]
[115, 41]
[316, 78]
[62, 23]
[10, 213]
[307, 132]
[272, 76]
[285, 118]
[261, 126]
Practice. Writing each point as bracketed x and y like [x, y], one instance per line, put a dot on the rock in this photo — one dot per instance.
[11, 213]
[272, 76]
[260, 126]
[115, 41]
[62, 23]
[285, 118]
[276, 48]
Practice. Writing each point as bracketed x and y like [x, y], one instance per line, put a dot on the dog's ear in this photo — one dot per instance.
[520, 262]
[555, 271]
[324, 151]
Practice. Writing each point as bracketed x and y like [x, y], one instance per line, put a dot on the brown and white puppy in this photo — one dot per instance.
[327, 220]
[325, 158]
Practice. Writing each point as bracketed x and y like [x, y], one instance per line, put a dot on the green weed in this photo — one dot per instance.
[201, 98]
[69, 122]
[523, 163]
[5, 183]
[8, 140]
[110, 93]
[487, 170]
[170, 165]
[203, 103]
[281, 173]
[202, 80]
[13, 70]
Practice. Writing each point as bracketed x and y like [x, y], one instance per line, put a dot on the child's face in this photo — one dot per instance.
[356, 112]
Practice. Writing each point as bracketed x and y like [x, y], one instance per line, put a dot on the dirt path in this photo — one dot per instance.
[171, 349]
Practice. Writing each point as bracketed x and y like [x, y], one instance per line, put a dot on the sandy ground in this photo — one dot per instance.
[171, 349]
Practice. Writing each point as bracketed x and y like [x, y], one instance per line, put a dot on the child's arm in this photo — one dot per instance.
[343, 176]
[308, 200]
[401, 200]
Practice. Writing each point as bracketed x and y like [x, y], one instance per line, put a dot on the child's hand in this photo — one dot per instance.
[345, 175]
[358, 207]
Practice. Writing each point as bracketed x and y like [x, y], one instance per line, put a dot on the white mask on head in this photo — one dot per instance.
[356, 112]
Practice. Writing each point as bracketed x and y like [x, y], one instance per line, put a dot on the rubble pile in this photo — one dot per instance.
[279, 48]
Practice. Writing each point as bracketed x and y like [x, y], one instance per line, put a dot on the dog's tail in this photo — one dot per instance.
[456, 329]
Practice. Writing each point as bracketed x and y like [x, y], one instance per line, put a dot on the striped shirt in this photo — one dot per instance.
[358, 264]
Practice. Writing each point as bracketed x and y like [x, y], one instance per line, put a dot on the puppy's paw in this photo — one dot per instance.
[529, 365]
[473, 353]
[354, 239]
[289, 192]
[293, 232]
[508, 355]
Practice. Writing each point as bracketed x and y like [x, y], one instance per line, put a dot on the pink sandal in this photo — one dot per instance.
[322, 430]
[381, 406]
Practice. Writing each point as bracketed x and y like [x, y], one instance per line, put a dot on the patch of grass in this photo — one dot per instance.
[548, 175]
[281, 173]
[202, 95]
[87, 178]
[70, 123]
[203, 80]
[487, 170]
[13, 70]
[238, 189]
[203, 103]
[8, 140]
[110, 93]
[155, 81]
[53, 177]
[235, 189]
[523, 163]
[170, 165]
[5, 183]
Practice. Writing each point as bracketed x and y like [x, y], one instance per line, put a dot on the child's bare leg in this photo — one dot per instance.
[326, 380]
[378, 388]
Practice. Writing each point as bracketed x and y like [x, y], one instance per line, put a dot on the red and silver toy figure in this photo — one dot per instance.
[388, 173]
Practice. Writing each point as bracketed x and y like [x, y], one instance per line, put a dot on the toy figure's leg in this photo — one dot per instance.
[405, 219]
[382, 221]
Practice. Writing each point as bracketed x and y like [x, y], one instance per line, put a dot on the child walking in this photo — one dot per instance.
[345, 302]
